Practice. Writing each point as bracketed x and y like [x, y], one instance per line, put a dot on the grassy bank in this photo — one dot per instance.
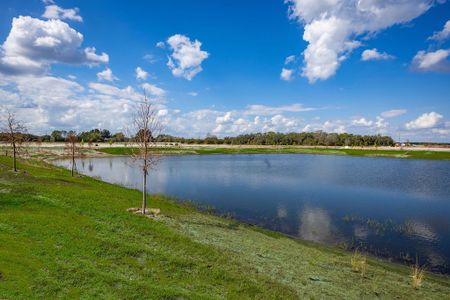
[326, 151]
[72, 237]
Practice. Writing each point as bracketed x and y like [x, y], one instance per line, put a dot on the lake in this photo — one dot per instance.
[393, 208]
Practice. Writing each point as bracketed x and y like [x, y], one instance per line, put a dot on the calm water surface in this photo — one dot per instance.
[394, 208]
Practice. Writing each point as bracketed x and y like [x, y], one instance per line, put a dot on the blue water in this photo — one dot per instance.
[395, 208]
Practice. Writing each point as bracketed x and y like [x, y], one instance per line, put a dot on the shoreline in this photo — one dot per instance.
[387, 153]
[52, 150]
[102, 145]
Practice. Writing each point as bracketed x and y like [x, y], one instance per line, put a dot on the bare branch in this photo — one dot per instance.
[146, 127]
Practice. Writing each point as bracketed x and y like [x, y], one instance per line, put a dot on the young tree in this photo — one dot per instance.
[72, 149]
[147, 128]
[15, 134]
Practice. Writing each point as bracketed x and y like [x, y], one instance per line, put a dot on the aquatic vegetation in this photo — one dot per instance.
[381, 227]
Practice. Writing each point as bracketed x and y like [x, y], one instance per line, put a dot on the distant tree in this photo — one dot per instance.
[211, 139]
[58, 135]
[96, 135]
[118, 137]
[331, 139]
[147, 128]
[15, 134]
[93, 136]
[105, 134]
[72, 149]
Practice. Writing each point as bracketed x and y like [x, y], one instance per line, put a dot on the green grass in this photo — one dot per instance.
[64, 237]
[326, 151]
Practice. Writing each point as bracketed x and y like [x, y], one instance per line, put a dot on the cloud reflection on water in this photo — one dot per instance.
[315, 225]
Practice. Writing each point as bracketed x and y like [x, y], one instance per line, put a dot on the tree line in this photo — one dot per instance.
[94, 136]
[318, 138]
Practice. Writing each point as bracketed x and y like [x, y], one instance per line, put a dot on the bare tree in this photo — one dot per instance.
[147, 127]
[72, 149]
[15, 135]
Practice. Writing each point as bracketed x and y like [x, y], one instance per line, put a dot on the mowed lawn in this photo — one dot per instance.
[64, 237]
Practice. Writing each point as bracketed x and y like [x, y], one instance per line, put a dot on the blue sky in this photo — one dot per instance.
[363, 67]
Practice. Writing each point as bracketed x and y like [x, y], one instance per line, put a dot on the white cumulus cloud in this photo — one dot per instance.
[48, 103]
[443, 34]
[153, 90]
[224, 118]
[110, 90]
[286, 74]
[362, 122]
[93, 58]
[332, 27]
[33, 45]
[374, 54]
[186, 57]
[432, 61]
[426, 120]
[106, 75]
[289, 59]
[56, 12]
[141, 74]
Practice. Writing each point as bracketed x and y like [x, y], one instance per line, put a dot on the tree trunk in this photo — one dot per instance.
[14, 157]
[144, 192]
[73, 158]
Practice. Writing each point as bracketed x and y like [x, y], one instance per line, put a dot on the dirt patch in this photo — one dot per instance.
[150, 212]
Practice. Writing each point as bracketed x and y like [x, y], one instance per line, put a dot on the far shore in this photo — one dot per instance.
[51, 150]
[209, 146]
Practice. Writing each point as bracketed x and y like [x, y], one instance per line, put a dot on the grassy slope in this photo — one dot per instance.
[72, 237]
[329, 151]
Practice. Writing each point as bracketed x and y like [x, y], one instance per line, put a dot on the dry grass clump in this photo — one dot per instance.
[359, 263]
[417, 276]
